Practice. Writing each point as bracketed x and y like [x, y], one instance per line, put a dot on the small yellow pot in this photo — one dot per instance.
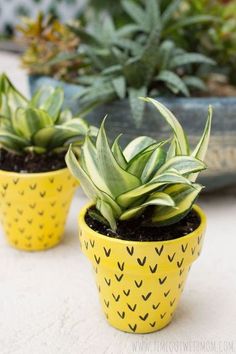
[34, 207]
[140, 283]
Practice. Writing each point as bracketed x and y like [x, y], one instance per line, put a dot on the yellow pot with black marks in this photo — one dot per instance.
[34, 207]
[140, 283]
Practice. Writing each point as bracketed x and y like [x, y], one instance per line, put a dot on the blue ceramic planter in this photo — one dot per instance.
[192, 112]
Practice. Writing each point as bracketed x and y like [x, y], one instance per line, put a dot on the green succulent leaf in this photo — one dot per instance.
[115, 177]
[183, 196]
[158, 198]
[137, 145]
[183, 165]
[118, 154]
[173, 81]
[181, 139]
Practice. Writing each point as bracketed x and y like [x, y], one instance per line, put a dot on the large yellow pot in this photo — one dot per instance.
[34, 207]
[140, 283]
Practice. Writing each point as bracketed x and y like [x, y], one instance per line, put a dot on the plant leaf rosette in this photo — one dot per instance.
[140, 282]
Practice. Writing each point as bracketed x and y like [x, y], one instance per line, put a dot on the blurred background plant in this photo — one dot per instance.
[51, 47]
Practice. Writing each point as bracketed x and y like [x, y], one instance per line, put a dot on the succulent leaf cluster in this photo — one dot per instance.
[37, 125]
[160, 175]
[51, 47]
[138, 59]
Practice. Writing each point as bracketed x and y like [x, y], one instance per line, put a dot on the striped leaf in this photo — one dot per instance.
[183, 165]
[183, 196]
[158, 198]
[12, 141]
[181, 139]
[114, 176]
[118, 154]
[155, 161]
[132, 196]
[27, 121]
[137, 145]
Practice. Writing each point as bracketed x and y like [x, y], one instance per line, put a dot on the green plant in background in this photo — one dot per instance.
[51, 47]
[123, 183]
[217, 40]
[138, 59]
[38, 125]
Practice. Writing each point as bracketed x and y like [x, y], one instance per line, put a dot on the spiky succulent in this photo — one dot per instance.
[138, 59]
[50, 47]
[147, 173]
[37, 125]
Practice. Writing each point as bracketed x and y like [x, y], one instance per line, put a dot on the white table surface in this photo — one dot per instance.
[49, 303]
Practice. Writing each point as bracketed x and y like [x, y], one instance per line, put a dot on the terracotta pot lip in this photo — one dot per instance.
[198, 231]
[30, 175]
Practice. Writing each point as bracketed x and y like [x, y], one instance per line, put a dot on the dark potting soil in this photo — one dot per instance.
[132, 231]
[31, 163]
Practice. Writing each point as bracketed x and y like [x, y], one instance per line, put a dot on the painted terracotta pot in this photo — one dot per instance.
[34, 207]
[140, 283]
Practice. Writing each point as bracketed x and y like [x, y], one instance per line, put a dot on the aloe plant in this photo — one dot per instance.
[139, 58]
[147, 173]
[37, 125]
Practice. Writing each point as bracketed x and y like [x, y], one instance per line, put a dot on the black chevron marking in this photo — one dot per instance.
[42, 194]
[59, 189]
[97, 259]
[121, 314]
[143, 318]
[33, 186]
[16, 220]
[41, 226]
[160, 250]
[153, 269]
[86, 244]
[130, 250]
[184, 247]
[180, 285]
[138, 284]
[146, 297]
[116, 298]
[9, 204]
[181, 272]
[5, 186]
[41, 213]
[107, 252]
[50, 235]
[132, 308]
[107, 303]
[127, 292]
[166, 293]
[193, 249]
[155, 307]
[162, 281]
[29, 221]
[142, 262]
[92, 243]
[171, 257]
[172, 302]
[121, 265]
[119, 277]
[108, 281]
[133, 328]
[32, 206]
[21, 192]
[3, 194]
[199, 239]
[21, 230]
[19, 211]
[53, 217]
[179, 264]
[15, 180]
[152, 324]
[51, 180]
[163, 315]
[53, 204]
[28, 238]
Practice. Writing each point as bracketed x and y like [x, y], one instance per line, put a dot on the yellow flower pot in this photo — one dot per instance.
[140, 283]
[34, 207]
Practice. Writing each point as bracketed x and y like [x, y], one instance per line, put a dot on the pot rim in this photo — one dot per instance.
[29, 175]
[199, 230]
